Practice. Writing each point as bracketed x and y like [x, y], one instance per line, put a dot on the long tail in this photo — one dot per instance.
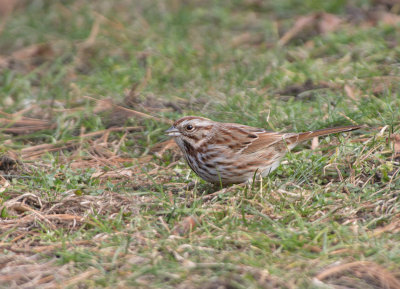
[310, 134]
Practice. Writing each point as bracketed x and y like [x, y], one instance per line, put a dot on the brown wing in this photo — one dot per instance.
[246, 139]
[265, 140]
[235, 137]
[249, 140]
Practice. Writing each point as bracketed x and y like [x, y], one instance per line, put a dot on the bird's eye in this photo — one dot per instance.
[189, 127]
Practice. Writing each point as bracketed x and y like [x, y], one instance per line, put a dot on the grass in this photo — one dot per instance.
[95, 196]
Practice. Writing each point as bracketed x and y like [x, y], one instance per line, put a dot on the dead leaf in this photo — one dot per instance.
[317, 23]
[352, 92]
[185, 226]
[34, 50]
[300, 24]
[28, 57]
[328, 22]
[4, 184]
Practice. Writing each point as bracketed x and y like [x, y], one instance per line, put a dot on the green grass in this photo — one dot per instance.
[114, 210]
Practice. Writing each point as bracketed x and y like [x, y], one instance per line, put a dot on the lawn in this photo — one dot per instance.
[93, 194]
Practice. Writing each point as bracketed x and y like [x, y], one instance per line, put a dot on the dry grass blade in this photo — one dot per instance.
[50, 220]
[368, 271]
[47, 248]
[299, 25]
[17, 124]
[393, 228]
[80, 277]
[160, 148]
[38, 150]
[18, 271]
[28, 210]
[111, 129]
[108, 104]
[33, 152]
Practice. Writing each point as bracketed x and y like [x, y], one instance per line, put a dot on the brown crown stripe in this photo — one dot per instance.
[188, 118]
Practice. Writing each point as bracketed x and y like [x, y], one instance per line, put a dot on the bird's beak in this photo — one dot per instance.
[172, 131]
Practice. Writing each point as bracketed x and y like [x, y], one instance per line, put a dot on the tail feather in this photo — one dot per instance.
[321, 132]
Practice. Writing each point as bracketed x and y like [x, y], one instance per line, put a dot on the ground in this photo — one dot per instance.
[94, 195]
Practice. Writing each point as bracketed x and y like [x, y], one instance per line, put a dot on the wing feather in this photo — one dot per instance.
[248, 140]
[263, 141]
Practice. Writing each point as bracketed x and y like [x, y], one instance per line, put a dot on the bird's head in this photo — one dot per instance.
[191, 129]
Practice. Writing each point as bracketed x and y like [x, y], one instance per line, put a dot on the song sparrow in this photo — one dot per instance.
[231, 153]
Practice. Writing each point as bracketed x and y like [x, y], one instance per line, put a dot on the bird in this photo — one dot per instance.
[232, 153]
